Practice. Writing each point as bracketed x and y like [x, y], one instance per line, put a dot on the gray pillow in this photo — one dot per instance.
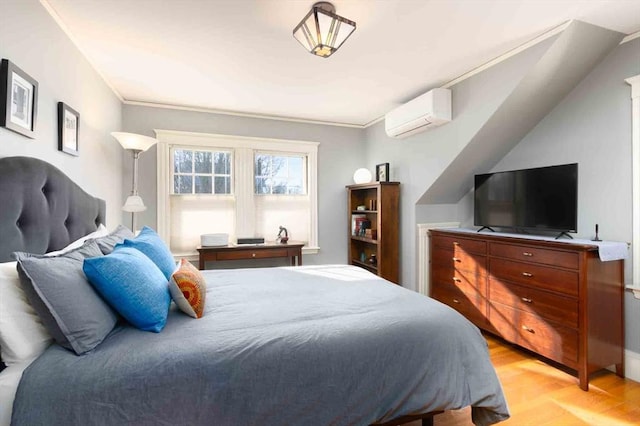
[70, 309]
[107, 243]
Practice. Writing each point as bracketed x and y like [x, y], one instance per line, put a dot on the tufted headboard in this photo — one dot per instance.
[41, 209]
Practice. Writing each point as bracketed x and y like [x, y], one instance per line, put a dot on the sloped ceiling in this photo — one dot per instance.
[567, 61]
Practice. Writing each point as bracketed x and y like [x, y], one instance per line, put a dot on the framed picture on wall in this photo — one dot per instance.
[18, 99]
[382, 172]
[68, 129]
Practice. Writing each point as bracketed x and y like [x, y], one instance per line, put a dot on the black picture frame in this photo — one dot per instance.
[68, 129]
[382, 172]
[18, 99]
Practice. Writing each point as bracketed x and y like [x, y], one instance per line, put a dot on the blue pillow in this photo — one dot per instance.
[133, 285]
[150, 243]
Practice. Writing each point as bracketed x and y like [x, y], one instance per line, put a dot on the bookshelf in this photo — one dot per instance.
[373, 210]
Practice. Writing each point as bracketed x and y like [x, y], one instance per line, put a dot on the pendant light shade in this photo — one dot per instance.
[322, 32]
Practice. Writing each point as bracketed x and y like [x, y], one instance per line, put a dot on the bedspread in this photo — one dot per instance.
[313, 345]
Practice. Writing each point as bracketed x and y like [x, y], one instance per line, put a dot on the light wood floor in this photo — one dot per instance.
[539, 394]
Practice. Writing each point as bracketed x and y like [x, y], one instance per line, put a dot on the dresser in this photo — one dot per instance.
[554, 298]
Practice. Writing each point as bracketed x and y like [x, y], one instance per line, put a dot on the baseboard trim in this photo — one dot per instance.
[632, 365]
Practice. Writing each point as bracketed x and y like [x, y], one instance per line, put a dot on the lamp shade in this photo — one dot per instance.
[134, 204]
[134, 141]
[362, 176]
[322, 32]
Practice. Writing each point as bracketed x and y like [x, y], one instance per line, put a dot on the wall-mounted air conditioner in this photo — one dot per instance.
[424, 112]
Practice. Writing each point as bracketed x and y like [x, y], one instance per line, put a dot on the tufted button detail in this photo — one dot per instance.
[18, 223]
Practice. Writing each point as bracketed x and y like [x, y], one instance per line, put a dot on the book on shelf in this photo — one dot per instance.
[356, 223]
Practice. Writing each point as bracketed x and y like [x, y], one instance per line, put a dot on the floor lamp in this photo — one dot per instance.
[136, 144]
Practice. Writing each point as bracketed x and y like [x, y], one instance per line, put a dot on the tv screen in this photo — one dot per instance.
[544, 198]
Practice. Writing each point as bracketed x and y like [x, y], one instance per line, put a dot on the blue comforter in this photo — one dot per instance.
[320, 345]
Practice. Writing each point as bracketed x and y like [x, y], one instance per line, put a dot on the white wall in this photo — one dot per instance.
[340, 153]
[31, 39]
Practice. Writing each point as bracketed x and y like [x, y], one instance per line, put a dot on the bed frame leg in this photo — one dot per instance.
[427, 421]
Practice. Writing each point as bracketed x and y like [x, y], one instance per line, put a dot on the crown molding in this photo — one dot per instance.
[241, 114]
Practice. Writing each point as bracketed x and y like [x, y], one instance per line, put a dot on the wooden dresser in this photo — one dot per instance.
[553, 298]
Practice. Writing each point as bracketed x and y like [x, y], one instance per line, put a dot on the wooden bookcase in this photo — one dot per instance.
[381, 201]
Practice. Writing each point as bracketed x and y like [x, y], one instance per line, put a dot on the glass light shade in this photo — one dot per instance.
[134, 204]
[322, 32]
[362, 176]
[134, 141]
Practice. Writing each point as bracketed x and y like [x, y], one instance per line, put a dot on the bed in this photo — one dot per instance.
[313, 345]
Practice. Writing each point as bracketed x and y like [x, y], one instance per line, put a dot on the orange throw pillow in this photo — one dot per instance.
[188, 289]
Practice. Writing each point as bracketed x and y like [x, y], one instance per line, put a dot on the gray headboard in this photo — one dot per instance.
[41, 209]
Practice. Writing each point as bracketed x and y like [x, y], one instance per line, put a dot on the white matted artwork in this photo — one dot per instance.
[68, 129]
[19, 99]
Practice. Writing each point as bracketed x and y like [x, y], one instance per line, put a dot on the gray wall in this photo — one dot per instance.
[340, 153]
[592, 127]
[417, 161]
[31, 39]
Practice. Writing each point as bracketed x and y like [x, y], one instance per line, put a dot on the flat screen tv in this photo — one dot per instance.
[544, 198]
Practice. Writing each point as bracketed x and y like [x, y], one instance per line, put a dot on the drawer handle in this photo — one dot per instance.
[456, 279]
[527, 274]
[456, 301]
[524, 299]
[530, 330]
[253, 255]
[455, 243]
[526, 253]
[456, 259]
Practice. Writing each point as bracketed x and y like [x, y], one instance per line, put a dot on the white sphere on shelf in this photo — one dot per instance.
[362, 176]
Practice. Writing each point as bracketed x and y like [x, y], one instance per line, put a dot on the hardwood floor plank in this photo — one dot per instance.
[542, 395]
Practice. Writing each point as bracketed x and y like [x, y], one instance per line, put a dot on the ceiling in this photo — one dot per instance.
[239, 56]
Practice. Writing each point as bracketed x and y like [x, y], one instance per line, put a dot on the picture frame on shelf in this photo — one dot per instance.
[68, 129]
[382, 172]
[18, 99]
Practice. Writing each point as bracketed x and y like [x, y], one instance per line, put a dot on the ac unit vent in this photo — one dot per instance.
[424, 112]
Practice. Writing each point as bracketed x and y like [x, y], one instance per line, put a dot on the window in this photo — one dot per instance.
[279, 174]
[245, 187]
[201, 172]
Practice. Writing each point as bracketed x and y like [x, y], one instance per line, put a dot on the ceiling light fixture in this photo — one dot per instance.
[322, 32]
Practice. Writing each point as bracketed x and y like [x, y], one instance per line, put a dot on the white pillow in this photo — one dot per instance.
[22, 334]
[100, 232]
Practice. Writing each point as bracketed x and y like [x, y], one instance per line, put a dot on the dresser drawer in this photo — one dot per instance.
[535, 275]
[560, 309]
[465, 281]
[460, 245]
[251, 254]
[473, 307]
[544, 256]
[534, 333]
[475, 264]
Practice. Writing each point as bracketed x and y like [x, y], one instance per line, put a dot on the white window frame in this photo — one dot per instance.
[243, 149]
[635, 161]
